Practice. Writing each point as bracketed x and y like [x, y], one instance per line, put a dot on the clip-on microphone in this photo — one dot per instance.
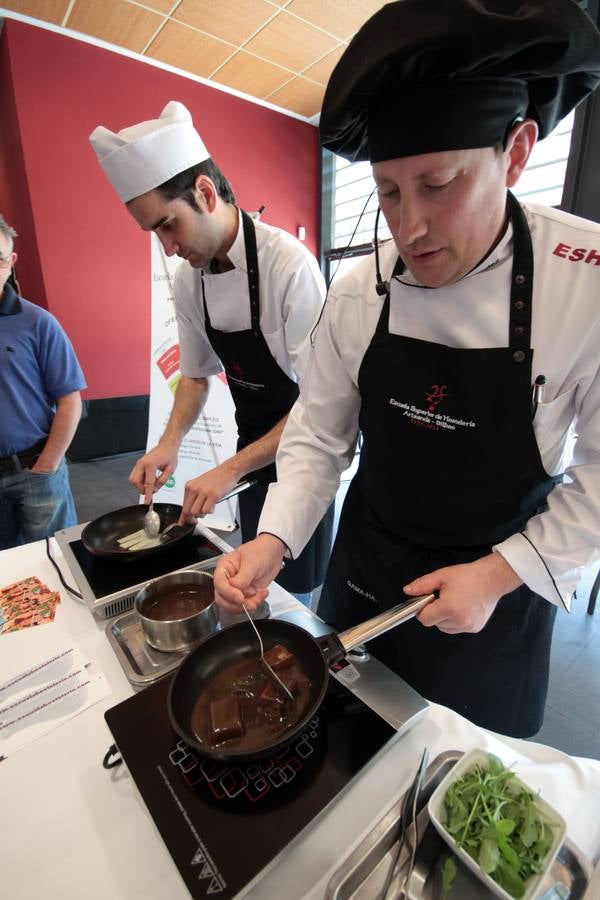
[382, 287]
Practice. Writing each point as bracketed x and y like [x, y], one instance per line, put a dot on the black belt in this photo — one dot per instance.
[16, 462]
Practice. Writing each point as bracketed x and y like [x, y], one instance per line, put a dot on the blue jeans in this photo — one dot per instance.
[34, 505]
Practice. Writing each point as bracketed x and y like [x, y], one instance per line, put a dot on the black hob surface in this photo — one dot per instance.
[107, 576]
[223, 824]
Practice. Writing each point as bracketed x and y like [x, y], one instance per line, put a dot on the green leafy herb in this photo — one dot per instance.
[448, 876]
[496, 821]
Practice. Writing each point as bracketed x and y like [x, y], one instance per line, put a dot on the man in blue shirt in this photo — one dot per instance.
[40, 381]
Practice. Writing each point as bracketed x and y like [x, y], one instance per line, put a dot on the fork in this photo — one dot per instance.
[272, 674]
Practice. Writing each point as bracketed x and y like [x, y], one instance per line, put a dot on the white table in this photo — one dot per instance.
[70, 829]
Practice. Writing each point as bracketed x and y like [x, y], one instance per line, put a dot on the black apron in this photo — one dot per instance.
[449, 466]
[263, 394]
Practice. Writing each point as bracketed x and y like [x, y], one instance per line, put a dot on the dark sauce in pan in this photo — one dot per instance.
[240, 710]
[177, 602]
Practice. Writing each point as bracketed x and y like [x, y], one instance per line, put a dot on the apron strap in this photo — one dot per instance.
[521, 287]
[252, 266]
[253, 277]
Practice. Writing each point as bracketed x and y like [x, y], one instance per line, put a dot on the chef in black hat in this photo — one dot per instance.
[465, 355]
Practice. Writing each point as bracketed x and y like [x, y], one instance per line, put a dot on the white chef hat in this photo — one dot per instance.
[141, 157]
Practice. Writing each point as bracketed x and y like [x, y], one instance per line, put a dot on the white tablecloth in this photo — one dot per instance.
[70, 829]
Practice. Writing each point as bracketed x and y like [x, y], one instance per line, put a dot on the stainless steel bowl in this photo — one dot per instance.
[166, 610]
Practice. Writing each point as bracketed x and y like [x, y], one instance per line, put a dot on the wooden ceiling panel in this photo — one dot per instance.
[115, 21]
[161, 6]
[251, 75]
[187, 49]
[340, 17]
[290, 42]
[282, 51]
[301, 96]
[234, 21]
[322, 70]
[46, 10]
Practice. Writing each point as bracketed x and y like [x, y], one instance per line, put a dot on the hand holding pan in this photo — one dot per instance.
[238, 489]
[239, 642]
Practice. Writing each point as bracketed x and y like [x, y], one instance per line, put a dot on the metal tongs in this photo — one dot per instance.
[174, 529]
[408, 831]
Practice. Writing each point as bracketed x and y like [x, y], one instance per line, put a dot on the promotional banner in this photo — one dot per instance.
[213, 438]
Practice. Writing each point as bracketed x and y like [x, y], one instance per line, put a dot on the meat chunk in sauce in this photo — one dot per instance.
[225, 720]
[241, 710]
[279, 657]
[272, 695]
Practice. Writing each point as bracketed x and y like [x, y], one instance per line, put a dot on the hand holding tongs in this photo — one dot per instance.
[240, 486]
[174, 529]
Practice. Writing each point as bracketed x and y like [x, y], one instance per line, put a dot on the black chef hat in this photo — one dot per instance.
[427, 75]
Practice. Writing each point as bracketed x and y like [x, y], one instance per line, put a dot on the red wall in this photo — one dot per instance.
[15, 202]
[82, 255]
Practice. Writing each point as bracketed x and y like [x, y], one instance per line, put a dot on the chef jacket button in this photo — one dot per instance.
[518, 356]
[519, 304]
[518, 329]
[520, 279]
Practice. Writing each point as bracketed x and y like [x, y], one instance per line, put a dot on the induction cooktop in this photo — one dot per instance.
[223, 824]
[109, 587]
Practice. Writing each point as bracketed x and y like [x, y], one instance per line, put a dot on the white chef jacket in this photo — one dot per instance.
[320, 437]
[291, 296]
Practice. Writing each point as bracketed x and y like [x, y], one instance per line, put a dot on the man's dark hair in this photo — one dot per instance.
[182, 185]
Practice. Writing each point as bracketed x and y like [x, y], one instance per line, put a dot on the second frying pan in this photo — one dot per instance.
[101, 536]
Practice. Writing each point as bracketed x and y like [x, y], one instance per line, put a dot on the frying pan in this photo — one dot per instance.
[101, 535]
[237, 642]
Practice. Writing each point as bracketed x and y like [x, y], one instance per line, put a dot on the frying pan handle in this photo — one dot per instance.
[372, 628]
[241, 486]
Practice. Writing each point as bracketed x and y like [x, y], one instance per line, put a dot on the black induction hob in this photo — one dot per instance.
[109, 586]
[223, 824]
[106, 576]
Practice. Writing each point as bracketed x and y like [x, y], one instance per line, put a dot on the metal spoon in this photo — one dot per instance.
[279, 685]
[152, 522]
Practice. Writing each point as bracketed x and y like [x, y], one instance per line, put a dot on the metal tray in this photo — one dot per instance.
[362, 875]
[141, 663]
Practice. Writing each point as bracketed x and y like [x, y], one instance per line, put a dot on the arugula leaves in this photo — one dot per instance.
[496, 821]
[448, 875]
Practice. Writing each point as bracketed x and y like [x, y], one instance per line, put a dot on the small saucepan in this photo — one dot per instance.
[178, 610]
[239, 642]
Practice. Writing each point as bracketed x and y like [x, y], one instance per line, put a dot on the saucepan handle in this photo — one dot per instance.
[373, 628]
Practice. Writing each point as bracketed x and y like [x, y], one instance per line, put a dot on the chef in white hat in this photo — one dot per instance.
[247, 296]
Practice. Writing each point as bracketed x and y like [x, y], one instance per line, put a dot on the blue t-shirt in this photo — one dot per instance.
[37, 366]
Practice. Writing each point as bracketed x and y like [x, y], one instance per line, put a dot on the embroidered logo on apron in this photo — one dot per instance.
[437, 392]
[429, 418]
